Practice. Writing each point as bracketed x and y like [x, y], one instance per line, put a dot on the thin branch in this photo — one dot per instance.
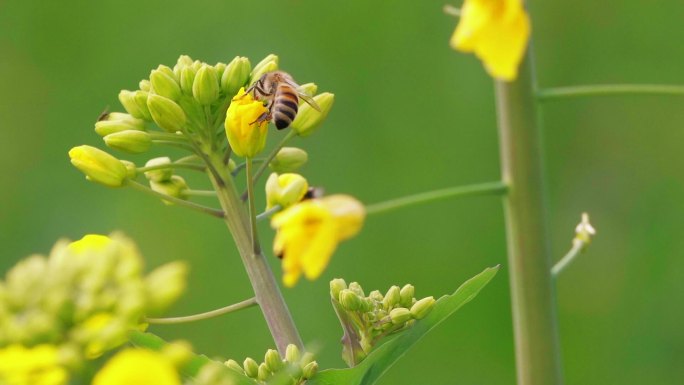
[550, 94]
[269, 212]
[206, 315]
[176, 201]
[576, 249]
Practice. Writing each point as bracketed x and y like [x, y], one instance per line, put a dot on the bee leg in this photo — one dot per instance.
[265, 117]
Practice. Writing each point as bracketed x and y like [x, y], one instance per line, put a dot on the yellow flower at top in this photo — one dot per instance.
[137, 367]
[245, 127]
[308, 234]
[497, 31]
[90, 242]
[31, 366]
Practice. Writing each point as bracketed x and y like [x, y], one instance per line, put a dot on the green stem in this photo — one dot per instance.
[577, 247]
[291, 134]
[203, 316]
[241, 166]
[269, 212]
[266, 289]
[550, 94]
[532, 296]
[172, 143]
[167, 136]
[252, 210]
[495, 188]
[200, 193]
[176, 201]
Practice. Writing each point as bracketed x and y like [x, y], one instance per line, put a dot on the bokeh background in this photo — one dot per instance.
[411, 115]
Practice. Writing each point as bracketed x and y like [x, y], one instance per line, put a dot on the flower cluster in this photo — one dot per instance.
[293, 369]
[75, 304]
[367, 319]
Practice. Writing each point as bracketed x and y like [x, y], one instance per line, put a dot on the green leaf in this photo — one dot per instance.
[382, 358]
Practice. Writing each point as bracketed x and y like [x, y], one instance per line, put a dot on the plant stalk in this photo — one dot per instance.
[532, 295]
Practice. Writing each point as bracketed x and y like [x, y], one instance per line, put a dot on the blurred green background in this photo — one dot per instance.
[411, 115]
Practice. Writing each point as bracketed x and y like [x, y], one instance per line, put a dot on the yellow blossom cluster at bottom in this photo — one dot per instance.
[38, 365]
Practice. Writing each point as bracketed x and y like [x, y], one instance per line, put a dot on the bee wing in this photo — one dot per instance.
[309, 100]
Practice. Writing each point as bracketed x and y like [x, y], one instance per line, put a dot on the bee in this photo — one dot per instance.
[283, 95]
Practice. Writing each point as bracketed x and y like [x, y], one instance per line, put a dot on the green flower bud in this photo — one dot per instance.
[421, 308]
[263, 373]
[375, 295]
[165, 284]
[231, 165]
[182, 62]
[165, 85]
[350, 300]
[219, 67]
[367, 305]
[285, 190]
[267, 64]
[145, 85]
[98, 166]
[308, 119]
[166, 113]
[127, 99]
[292, 354]
[196, 65]
[273, 360]
[400, 315]
[307, 358]
[140, 98]
[392, 297]
[110, 126]
[336, 286]
[235, 75]
[205, 88]
[160, 175]
[308, 89]
[407, 293]
[251, 367]
[174, 187]
[167, 70]
[131, 141]
[310, 370]
[233, 365]
[187, 77]
[132, 170]
[356, 288]
[288, 159]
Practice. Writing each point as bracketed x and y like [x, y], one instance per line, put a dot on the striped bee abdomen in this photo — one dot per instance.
[285, 106]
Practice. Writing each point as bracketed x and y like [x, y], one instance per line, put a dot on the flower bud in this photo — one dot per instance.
[356, 288]
[174, 187]
[166, 113]
[289, 159]
[584, 231]
[165, 85]
[407, 292]
[400, 315]
[310, 370]
[350, 300]
[375, 295]
[127, 99]
[182, 62]
[168, 71]
[348, 212]
[263, 373]
[235, 75]
[205, 88]
[267, 64]
[392, 297]
[308, 89]
[165, 284]
[336, 286]
[132, 170]
[292, 354]
[98, 166]
[131, 141]
[273, 360]
[111, 124]
[231, 165]
[145, 85]
[232, 364]
[220, 67]
[285, 190]
[161, 175]
[140, 98]
[308, 119]
[421, 308]
[251, 367]
[246, 134]
[187, 78]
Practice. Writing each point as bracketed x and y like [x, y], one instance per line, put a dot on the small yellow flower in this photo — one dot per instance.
[246, 134]
[137, 367]
[98, 166]
[308, 234]
[31, 366]
[497, 31]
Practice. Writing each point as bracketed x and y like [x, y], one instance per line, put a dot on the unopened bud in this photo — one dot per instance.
[162, 174]
[232, 364]
[273, 360]
[267, 64]
[132, 170]
[407, 293]
[106, 127]
[285, 190]
[421, 308]
[145, 85]
[375, 295]
[350, 300]
[292, 354]
[174, 187]
[400, 315]
[166, 113]
[310, 370]
[140, 98]
[187, 78]
[219, 67]
[336, 286]
[251, 367]
[165, 85]
[98, 166]
[288, 159]
[131, 141]
[584, 230]
[165, 284]
[309, 119]
[392, 297]
[127, 99]
[263, 373]
[205, 88]
[167, 70]
[308, 89]
[235, 75]
[356, 288]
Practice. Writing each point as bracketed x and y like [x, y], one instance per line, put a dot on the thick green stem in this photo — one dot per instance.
[532, 296]
[266, 289]
[550, 94]
[252, 206]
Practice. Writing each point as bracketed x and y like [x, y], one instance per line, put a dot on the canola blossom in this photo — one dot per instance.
[137, 367]
[246, 135]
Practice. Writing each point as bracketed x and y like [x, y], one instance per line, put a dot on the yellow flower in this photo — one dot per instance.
[98, 166]
[90, 242]
[137, 367]
[308, 234]
[246, 134]
[497, 31]
[285, 189]
[31, 366]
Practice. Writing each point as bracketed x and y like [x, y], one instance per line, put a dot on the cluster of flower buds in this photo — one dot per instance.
[367, 319]
[293, 369]
[82, 300]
